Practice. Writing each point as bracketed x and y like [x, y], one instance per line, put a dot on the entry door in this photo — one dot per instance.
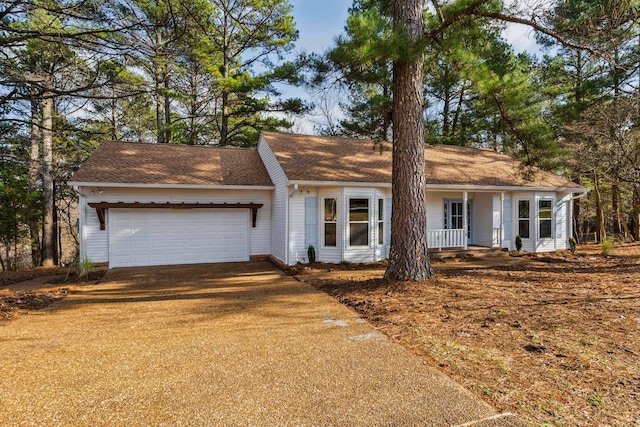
[454, 215]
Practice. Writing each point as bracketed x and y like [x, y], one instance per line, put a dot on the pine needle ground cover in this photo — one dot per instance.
[554, 338]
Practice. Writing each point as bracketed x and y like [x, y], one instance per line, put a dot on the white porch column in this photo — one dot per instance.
[465, 225]
[501, 218]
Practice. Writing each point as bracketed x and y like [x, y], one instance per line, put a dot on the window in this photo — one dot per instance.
[523, 218]
[330, 222]
[544, 218]
[359, 222]
[381, 221]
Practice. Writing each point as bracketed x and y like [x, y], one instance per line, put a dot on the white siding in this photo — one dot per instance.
[562, 221]
[95, 242]
[280, 201]
[483, 219]
[297, 249]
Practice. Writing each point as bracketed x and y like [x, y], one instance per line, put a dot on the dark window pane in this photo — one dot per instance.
[359, 210]
[545, 228]
[330, 234]
[358, 234]
[523, 209]
[380, 209]
[380, 233]
[523, 228]
[329, 209]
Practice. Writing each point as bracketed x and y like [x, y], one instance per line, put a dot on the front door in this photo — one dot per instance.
[453, 216]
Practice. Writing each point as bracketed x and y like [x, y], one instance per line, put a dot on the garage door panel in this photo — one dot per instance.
[141, 237]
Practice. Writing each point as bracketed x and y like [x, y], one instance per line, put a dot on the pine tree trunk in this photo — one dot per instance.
[635, 212]
[615, 209]
[576, 213]
[34, 175]
[48, 234]
[167, 111]
[408, 257]
[601, 233]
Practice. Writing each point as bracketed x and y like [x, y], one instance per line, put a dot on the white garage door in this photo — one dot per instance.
[139, 237]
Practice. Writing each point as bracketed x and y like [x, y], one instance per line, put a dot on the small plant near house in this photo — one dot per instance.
[518, 243]
[311, 254]
[85, 265]
[573, 244]
[607, 246]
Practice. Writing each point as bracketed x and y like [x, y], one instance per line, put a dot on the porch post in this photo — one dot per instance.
[501, 218]
[465, 226]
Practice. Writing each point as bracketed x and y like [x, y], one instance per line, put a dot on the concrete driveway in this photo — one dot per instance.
[217, 344]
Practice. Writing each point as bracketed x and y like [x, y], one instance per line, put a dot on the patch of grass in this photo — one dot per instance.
[84, 267]
[597, 401]
[607, 246]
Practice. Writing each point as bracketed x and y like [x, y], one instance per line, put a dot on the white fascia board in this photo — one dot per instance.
[180, 186]
[505, 188]
[340, 184]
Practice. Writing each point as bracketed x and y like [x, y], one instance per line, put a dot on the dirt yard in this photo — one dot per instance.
[24, 291]
[554, 338]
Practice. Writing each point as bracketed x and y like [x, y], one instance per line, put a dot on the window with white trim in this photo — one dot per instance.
[524, 216]
[330, 222]
[545, 215]
[358, 222]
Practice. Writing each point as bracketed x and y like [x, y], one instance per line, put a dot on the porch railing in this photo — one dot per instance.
[497, 237]
[438, 239]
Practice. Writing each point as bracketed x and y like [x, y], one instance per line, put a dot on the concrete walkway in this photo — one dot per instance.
[212, 345]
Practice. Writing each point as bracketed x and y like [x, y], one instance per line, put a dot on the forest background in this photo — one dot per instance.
[77, 72]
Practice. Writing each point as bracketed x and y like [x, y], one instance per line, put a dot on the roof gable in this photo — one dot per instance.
[170, 164]
[335, 159]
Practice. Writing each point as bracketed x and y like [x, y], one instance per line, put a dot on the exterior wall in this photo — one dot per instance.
[435, 209]
[94, 243]
[563, 221]
[297, 227]
[507, 218]
[483, 209]
[279, 207]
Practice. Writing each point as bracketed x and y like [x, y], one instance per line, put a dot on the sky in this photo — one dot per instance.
[319, 22]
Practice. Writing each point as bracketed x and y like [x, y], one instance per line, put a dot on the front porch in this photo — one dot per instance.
[460, 219]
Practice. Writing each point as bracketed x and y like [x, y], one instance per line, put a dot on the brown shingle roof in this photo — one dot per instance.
[139, 163]
[319, 158]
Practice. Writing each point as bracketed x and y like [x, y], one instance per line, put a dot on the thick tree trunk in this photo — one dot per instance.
[48, 234]
[408, 257]
[35, 170]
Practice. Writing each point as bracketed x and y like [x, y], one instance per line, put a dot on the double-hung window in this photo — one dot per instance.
[544, 218]
[524, 216]
[330, 222]
[358, 222]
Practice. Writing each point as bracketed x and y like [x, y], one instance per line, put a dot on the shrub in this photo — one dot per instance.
[311, 253]
[84, 267]
[607, 245]
[518, 243]
[573, 245]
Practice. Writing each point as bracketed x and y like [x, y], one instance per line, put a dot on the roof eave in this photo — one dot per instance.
[505, 188]
[181, 186]
[339, 183]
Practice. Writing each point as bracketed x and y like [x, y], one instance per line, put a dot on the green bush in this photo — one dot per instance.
[607, 245]
[311, 253]
[573, 245]
[518, 243]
